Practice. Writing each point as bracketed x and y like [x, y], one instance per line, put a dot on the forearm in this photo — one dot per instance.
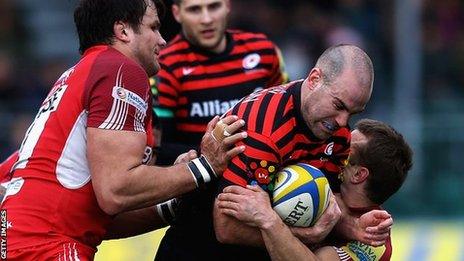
[144, 186]
[231, 231]
[133, 223]
[281, 244]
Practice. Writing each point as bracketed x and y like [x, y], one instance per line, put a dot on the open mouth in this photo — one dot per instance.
[208, 33]
[329, 126]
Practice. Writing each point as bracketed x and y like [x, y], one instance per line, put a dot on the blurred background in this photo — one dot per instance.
[417, 47]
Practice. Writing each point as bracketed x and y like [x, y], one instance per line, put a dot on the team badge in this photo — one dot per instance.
[251, 61]
[329, 149]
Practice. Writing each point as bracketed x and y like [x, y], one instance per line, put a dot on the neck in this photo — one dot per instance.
[356, 198]
[122, 49]
[221, 47]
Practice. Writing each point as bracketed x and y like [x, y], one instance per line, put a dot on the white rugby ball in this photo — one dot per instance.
[301, 194]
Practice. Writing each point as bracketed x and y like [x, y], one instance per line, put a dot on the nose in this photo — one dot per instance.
[206, 17]
[161, 41]
[342, 119]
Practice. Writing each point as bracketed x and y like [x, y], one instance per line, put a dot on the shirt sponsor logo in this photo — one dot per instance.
[132, 98]
[251, 61]
[211, 108]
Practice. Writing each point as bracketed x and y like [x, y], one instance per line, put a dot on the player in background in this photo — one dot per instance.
[377, 166]
[83, 159]
[205, 70]
[302, 121]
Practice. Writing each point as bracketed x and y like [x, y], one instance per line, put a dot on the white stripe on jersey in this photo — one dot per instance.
[34, 131]
[139, 121]
[119, 109]
[71, 171]
[342, 254]
[121, 116]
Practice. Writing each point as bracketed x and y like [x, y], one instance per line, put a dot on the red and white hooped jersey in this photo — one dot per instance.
[50, 195]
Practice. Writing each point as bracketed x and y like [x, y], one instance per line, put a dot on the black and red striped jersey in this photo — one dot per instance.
[194, 85]
[278, 136]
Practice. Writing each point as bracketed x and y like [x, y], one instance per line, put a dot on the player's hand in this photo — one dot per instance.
[250, 205]
[219, 152]
[374, 227]
[186, 157]
[322, 227]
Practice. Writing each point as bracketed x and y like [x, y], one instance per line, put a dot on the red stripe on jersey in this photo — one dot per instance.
[224, 81]
[259, 154]
[182, 113]
[234, 178]
[270, 115]
[251, 122]
[167, 102]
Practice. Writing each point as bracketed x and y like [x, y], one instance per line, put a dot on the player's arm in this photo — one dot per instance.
[133, 223]
[372, 228]
[116, 143]
[140, 221]
[121, 182]
[242, 170]
[252, 206]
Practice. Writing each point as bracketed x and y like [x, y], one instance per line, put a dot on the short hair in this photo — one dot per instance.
[335, 59]
[94, 19]
[387, 156]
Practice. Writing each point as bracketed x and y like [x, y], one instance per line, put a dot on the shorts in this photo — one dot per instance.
[56, 250]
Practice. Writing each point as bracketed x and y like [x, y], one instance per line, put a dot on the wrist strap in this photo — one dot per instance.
[167, 210]
[201, 170]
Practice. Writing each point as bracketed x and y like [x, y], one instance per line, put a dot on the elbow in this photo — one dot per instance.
[223, 232]
[224, 236]
[109, 201]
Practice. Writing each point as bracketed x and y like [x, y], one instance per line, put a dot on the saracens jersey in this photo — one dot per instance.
[194, 85]
[277, 136]
[50, 196]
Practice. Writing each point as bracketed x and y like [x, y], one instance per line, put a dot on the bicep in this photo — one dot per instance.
[111, 153]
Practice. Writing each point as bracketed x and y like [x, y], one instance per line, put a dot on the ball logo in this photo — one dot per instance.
[329, 149]
[251, 61]
[121, 93]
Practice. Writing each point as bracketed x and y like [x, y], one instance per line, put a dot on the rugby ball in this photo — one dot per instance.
[301, 194]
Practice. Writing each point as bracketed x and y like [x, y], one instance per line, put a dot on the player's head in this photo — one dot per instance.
[130, 25]
[379, 161]
[203, 22]
[339, 86]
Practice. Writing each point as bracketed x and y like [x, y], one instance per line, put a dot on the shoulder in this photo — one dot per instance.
[112, 62]
[177, 45]
[243, 37]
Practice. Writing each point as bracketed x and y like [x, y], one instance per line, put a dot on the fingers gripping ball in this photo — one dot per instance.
[220, 132]
[301, 194]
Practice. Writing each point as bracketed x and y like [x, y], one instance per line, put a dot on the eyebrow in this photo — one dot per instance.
[346, 107]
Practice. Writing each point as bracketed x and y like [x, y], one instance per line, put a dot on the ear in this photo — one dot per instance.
[121, 31]
[176, 13]
[227, 2]
[314, 77]
[361, 175]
